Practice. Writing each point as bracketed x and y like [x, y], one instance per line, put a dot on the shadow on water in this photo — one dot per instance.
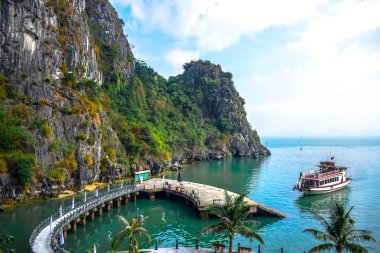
[321, 203]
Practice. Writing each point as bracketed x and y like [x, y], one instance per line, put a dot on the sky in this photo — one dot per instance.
[303, 67]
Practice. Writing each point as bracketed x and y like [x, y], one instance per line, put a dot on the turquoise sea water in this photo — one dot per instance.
[268, 180]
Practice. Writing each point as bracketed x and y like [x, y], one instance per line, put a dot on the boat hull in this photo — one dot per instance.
[323, 190]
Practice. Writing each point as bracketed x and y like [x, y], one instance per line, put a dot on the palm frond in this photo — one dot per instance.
[118, 240]
[251, 234]
[322, 247]
[319, 235]
[232, 218]
[323, 221]
[360, 234]
[122, 220]
[339, 231]
[355, 248]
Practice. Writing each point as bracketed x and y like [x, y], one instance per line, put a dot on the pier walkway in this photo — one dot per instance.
[43, 240]
[202, 196]
[45, 236]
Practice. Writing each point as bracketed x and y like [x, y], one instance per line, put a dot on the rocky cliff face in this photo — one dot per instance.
[54, 55]
[222, 105]
[44, 44]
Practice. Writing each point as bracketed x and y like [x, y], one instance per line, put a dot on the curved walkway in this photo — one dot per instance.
[43, 241]
[44, 236]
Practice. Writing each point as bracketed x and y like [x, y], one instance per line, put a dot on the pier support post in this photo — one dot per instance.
[100, 210]
[167, 195]
[125, 200]
[73, 226]
[203, 214]
[134, 197]
[82, 221]
[108, 206]
[116, 203]
[91, 216]
[151, 195]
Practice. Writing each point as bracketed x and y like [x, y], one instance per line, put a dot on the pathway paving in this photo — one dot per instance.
[208, 195]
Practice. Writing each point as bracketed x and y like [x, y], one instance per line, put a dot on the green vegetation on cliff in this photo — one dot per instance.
[15, 157]
[160, 118]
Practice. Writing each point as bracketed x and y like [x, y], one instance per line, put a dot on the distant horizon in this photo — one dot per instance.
[319, 136]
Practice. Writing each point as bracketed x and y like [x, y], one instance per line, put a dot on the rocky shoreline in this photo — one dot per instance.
[12, 192]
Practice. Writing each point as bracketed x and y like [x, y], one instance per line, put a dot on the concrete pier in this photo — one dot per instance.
[202, 196]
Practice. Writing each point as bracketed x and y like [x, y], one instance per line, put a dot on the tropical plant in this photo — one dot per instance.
[233, 215]
[5, 240]
[131, 231]
[339, 232]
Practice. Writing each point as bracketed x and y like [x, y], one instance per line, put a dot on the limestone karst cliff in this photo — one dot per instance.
[77, 107]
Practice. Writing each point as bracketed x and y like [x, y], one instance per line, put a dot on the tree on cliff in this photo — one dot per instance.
[131, 231]
[233, 216]
[339, 234]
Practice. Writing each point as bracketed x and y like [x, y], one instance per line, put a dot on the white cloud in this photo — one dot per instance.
[327, 78]
[338, 86]
[177, 57]
[217, 24]
[339, 92]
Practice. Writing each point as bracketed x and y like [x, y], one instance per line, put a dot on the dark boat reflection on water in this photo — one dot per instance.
[320, 203]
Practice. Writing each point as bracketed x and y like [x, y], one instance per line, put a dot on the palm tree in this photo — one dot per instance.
[233, 216]
[130, 231]
[339, 234]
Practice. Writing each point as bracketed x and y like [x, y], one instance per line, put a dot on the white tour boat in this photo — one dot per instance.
[327, 179]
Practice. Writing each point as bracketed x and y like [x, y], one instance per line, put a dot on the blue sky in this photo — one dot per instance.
[303, 67]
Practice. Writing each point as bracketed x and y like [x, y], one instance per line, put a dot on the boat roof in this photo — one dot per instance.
[334, 166]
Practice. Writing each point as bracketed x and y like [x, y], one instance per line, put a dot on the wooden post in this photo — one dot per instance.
[92, 214]
[82, 221]
[116, 203]
[100, 211]
[73, 226]
[108, 206]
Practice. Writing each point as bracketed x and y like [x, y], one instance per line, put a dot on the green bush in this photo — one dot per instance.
[46, 131]
[82, 137]
[38, 123]
[69, 79]
[91, 141]
[12, 135]
[24, 170]
[56, 146]
[3, 166]
[57, 174]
